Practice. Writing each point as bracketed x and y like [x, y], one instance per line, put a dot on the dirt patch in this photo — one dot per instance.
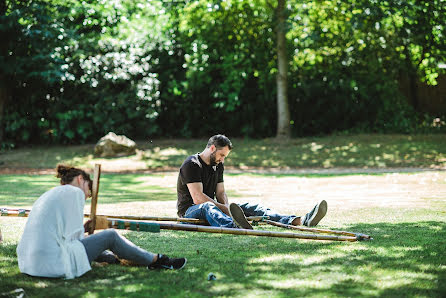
[26, 171]
[236, 170]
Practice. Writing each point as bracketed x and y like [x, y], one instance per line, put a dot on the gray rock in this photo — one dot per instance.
[112, 145]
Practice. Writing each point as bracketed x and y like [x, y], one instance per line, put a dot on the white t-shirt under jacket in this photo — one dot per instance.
[50, 245]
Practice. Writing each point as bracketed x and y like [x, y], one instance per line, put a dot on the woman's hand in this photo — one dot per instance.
[88, 228]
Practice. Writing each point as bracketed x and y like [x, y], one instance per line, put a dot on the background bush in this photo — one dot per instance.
[71, 71]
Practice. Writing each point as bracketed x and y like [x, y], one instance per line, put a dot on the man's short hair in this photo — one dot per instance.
[219, 141]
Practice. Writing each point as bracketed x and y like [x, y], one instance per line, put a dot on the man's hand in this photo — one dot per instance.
[223, 208]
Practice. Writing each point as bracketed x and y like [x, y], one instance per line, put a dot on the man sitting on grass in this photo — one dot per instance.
[201, 193]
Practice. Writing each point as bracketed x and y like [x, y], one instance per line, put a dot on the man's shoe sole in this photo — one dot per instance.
[239, 217]
[318, 214]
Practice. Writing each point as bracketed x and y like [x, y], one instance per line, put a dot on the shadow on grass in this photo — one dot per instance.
[373, 151]
[404, 259]
[131, 188]
[46, 156]
[23, 190]
[342, 151]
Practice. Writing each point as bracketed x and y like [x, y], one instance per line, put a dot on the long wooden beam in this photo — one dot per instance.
[178, 219]
[155, 227]
[25, 213]
[14, 212]
[360, 236]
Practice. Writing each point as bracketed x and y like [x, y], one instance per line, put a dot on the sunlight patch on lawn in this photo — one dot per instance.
[385, 279]
[273, 258]
[118, 164]
[225, 287]
[12, 228]
[293, 283]
[41, 284]
[132, 288]
[298, 258]
[169, 151]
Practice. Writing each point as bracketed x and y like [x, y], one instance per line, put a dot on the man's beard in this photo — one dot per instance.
[212, 160]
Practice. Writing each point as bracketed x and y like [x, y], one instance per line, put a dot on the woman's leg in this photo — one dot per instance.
[109, 239]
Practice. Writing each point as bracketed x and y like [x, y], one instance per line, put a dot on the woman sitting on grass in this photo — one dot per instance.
[53, 243]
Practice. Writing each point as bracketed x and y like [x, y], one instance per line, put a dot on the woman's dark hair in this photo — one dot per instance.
[219, 141]
[67, 174]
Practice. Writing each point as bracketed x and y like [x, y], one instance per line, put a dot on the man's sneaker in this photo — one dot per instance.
[313, 217]
[239, 217]
[164, 262]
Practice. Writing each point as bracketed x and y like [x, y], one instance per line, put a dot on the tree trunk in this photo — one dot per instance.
[412, 78]
[3, 100]
[283, 112]
[3, 90]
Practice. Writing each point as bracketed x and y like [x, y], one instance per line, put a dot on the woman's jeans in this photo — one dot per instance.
[97, 244]
[215, 217]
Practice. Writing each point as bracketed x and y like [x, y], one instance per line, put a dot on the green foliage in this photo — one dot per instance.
[194, 68]
[347, 60]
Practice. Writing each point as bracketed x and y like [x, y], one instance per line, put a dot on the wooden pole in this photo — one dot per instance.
[94, 197]
[113, 223]
[25, 212]
[161, 218]
[14, 212]
[359, 236]
[153, 227]
[315, 230]
[154, 218]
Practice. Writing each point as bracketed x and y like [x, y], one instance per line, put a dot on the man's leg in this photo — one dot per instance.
[310, 219]
[313, 217]
[211, 213]
[259, 210]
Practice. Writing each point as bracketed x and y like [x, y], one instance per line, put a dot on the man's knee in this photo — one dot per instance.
[208, 205]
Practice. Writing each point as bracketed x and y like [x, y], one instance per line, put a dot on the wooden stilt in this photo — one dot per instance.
[154, 218]
[178, 219]
[155, 226]
[316, 230]
[106, 221]
[94, 197]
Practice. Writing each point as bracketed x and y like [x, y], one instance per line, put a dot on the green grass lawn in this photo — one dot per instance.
[405, 213]
[362, 151]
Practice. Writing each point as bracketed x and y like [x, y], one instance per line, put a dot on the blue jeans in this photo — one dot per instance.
[211, 213]
[215, 217]
[259, 210]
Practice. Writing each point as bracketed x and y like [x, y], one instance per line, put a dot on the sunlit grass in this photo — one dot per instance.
[359, 151]
[404, 213]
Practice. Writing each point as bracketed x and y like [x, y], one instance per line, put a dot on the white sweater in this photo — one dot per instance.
[50, 245]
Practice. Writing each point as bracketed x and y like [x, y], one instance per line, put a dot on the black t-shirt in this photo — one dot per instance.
[194, 169]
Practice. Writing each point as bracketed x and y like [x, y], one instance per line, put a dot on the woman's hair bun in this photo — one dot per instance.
[62, 170]
[68, 173]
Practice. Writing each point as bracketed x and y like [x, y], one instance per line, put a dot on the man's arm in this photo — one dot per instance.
[196, 191]
[221, 194]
